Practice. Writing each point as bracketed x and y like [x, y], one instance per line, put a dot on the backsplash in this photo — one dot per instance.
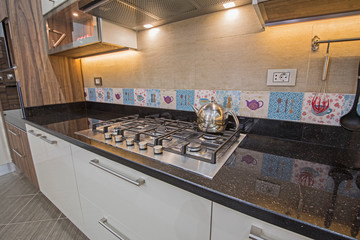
[289, 106]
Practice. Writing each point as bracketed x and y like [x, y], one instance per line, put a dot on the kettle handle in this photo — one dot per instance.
[235, 118]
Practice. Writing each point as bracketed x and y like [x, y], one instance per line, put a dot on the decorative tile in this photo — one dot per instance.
[229, 100]
[128, 96]
[202, 97]
[313, 112]
[153, 97]
[254, 104]
[310, 174]
[100, 95]
[108, 95]
[185, 99]
[168, 99]
[92, 94]
[348, 103]
[285, 105]
[277, 167]
[118, 95]
[250, 160]
[140, 96]
[86, 94]
[346, 187]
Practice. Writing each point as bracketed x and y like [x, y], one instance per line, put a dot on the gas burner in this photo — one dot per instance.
[194, 147]
[210, 136]
[174, 142]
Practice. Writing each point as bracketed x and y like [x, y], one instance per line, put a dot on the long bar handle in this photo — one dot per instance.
[13, 133]
[33, 133]
[17, 153]
[137, 182]
[256, 233]
[103, 222]
[44, 138]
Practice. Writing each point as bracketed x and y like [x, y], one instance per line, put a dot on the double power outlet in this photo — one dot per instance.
[281, 77]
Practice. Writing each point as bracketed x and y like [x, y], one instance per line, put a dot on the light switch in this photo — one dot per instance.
[98, 81]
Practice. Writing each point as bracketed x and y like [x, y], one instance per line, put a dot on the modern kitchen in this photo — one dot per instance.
[179, 119]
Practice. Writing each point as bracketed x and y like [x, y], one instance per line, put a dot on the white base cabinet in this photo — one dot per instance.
[232, 225]
[55, 171]
[150, 210]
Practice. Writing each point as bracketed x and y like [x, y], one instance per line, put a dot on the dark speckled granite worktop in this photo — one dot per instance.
[294, 158]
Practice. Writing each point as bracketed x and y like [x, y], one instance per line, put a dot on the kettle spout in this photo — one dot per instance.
[195, 110]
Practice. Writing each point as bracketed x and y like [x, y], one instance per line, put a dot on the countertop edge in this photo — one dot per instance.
[263, 214]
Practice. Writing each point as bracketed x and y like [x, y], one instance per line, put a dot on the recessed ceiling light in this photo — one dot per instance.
[229, 5]
[75, 14]
[148, 26]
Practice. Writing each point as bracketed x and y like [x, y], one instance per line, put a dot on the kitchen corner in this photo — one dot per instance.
[105, 125]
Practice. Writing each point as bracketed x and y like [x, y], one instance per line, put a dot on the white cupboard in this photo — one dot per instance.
[55, 171]
[136, 205]
[232, 225]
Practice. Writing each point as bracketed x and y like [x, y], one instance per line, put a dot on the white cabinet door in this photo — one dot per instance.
[153, 210]
[55, 171]
[232, 225]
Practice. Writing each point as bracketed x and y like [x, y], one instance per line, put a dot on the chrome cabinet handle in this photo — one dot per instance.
[44, 138]
[103, 222]
[17, 153]
[256, 234]
[13, 133]
[33, 133]
[137, 182]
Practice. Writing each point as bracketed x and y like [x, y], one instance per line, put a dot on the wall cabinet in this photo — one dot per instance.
[3, 10]
[232, 225]
[48, 5]
[20, 152]
[136, 205]
[55, 170]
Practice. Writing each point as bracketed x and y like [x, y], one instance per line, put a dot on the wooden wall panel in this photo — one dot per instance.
[44, 80]
[3, 10]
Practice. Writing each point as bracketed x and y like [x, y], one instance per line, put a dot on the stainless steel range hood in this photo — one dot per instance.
[275, 12]
[134, 14]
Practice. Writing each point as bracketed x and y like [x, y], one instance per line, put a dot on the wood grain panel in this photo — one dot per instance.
[3, 10]
[43, 80]
[18, 141]
[278, 10]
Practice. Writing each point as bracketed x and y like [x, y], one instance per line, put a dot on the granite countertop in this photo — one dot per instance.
[298, 170]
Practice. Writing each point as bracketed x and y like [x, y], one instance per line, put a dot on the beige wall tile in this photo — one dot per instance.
[223, 51]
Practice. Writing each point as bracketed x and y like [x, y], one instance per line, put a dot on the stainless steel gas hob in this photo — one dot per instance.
[174, 142]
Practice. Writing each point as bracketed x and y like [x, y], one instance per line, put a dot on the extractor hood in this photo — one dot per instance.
[275, 12]
[134, 14]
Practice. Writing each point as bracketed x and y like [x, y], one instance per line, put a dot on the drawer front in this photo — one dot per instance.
[110, 229]
[232, 225]
[55, 171]
[153, 210]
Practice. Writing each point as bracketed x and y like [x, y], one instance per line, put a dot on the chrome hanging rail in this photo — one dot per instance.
[315, 41]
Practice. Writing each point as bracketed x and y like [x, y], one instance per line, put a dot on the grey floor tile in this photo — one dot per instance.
[65, 230]
[7, 180]
[11, 206]
[39, 208]
[27, 231]
[21, 186]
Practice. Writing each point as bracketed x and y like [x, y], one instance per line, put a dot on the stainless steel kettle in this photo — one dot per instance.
[212, 117]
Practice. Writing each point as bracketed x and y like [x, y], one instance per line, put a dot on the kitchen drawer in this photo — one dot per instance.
[153, 210]
[55, 171]
[95, 231]
[232, 225]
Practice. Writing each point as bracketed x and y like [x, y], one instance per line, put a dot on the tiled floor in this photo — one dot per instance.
[26, 214]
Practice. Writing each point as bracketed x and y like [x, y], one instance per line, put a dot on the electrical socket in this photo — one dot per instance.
[267, 188]
[281, 77]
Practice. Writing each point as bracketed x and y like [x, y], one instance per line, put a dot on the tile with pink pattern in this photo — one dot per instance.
[140, 96]
[324, 108]
[100, 95]
[202, 97]
[310, 174]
